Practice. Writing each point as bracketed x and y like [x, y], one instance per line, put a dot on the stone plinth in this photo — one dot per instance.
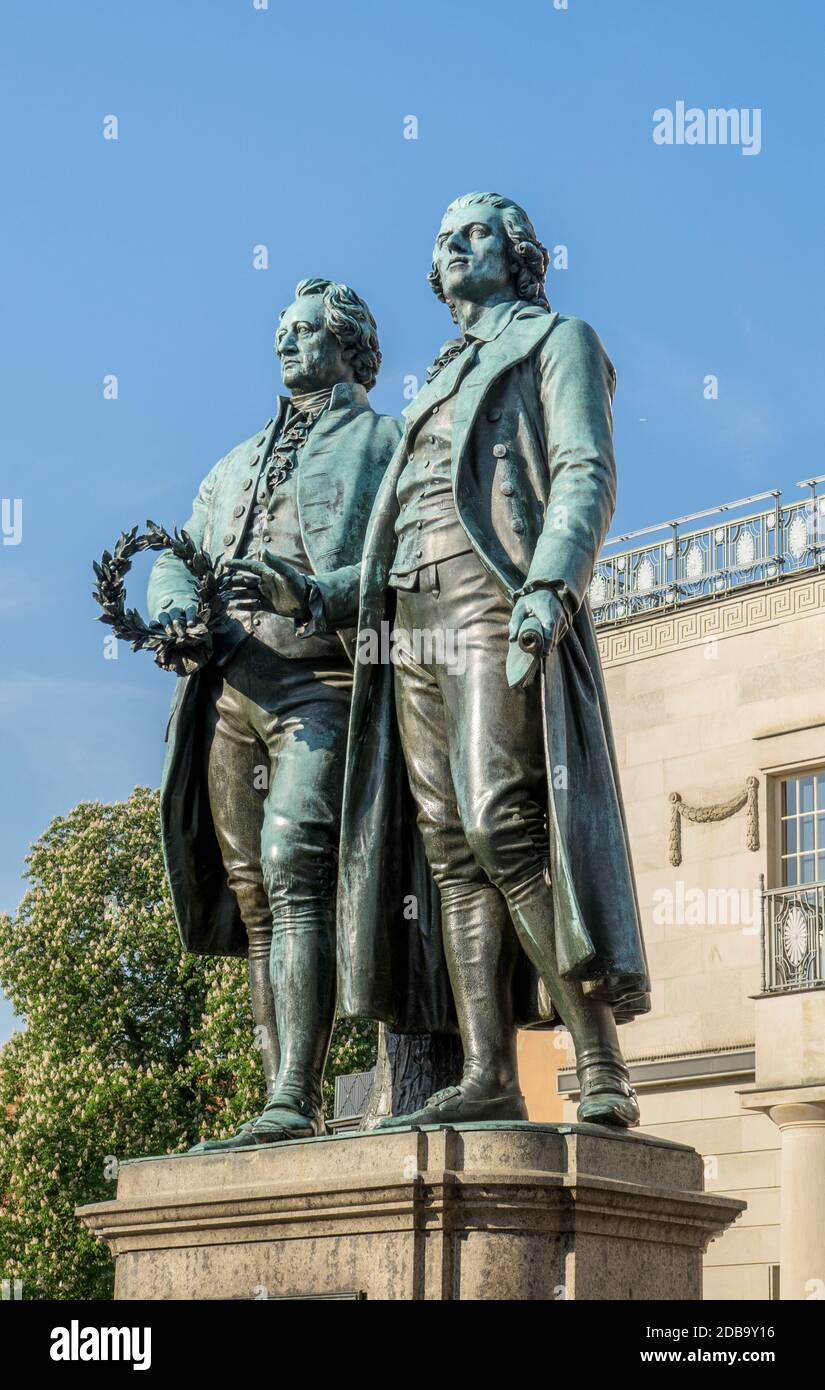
[519, 1211]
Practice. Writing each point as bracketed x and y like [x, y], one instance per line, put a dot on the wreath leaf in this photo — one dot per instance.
[127, 623]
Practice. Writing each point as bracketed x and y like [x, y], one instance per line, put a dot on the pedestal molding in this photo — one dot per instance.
[453, 1212]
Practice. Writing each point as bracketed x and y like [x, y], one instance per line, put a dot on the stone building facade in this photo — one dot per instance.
[713, 646]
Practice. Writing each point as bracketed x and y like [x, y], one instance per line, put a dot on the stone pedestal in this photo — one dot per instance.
[484, 1211]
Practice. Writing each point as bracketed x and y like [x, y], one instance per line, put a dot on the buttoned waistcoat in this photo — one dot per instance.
[341, 467]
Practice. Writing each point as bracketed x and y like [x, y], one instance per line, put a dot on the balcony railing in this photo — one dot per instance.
[680, 566]
[793, 938]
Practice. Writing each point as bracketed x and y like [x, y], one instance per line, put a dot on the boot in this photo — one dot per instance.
[266, 1038]
[302, 970]
[607, 1097]
[481, 952]
[264, 1017]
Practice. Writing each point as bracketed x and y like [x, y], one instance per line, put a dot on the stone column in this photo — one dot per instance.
[790, 1087]
[802, 1204]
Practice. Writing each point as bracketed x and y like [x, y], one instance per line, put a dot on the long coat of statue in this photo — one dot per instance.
[535, 485]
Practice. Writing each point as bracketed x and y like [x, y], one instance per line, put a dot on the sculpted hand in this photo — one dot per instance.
[272, 583]
[544, 606]
[188, 645]
[179, 623]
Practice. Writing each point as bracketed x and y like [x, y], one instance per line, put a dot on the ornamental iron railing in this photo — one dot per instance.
[793, 938]
[680, 566]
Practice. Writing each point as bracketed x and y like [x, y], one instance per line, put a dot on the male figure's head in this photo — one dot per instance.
[325, 336]
[486, 252]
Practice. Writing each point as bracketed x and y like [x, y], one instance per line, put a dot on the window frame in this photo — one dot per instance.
[777, 858]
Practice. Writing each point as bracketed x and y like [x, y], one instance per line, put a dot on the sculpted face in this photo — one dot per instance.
[472, 252]
[311, 356]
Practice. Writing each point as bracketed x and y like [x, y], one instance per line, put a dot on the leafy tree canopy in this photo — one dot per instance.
[131, 1046]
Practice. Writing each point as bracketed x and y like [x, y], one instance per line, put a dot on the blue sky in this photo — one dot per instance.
[285, 127]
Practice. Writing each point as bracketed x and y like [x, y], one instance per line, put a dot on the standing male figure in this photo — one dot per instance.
[491, 517]
[251, 795]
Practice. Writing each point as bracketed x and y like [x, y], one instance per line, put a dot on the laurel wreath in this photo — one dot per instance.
[127, 624]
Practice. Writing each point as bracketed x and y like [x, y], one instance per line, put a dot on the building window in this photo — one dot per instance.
[803, 829]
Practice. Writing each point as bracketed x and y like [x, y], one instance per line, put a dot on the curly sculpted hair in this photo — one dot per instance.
[349, 320]
[529, 259]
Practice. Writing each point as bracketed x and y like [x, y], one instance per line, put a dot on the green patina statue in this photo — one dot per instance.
[252, 785]
[484, 878]
[482, 540]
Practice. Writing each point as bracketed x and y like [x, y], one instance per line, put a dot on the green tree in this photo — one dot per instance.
[130, 1047]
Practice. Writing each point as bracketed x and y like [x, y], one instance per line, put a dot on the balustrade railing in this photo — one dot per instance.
[681, 566]
[793, 938]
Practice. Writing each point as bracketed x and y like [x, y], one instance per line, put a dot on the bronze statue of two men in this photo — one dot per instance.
[433, 843]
